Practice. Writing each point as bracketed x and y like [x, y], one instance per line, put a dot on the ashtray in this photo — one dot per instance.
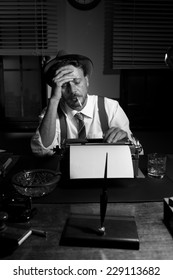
[36, 182]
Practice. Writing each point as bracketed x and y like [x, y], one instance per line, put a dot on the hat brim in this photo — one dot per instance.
[58, 62]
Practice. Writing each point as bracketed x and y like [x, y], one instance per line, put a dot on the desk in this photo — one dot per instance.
[155, 240]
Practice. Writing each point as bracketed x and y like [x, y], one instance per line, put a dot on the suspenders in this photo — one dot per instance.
[102, 116]
[63, 124]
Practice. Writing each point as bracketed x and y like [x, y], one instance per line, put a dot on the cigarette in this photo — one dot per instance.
[4, 166]
[7, 163]
[79, 102]
[39, 232]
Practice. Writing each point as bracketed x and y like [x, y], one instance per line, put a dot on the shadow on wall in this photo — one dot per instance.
[156, 141]
[18, 143]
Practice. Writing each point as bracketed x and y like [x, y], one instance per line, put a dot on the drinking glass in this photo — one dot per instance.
[156, 165]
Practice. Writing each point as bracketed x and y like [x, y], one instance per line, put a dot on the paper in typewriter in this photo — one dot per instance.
[88, 161]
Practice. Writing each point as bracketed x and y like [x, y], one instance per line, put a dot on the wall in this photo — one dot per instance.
[79, 32]
[83, 32]
[16, 142]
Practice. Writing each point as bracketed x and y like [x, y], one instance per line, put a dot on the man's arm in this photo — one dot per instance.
[118, 122]
[48, 125]
[114, 134]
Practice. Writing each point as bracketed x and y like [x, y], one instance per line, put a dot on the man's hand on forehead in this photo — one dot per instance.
[65, 74]
[68, 69]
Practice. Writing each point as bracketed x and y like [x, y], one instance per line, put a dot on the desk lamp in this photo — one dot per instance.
[168, 202]
[169, 57]
[101, 230]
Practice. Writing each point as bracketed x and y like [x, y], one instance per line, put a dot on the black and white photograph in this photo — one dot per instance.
[86, 138]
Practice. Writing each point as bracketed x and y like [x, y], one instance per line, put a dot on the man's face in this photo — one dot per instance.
[75, 91]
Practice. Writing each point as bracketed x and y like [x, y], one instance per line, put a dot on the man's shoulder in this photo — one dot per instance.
[107, 100]
[92, 96]
[96, 96]
[92, 99]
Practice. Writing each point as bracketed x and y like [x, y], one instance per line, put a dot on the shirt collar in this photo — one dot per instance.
[87, 110]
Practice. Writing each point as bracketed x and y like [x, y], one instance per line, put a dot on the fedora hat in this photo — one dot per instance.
[64, 58]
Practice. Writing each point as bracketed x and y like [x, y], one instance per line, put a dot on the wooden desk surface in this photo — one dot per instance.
[155, 240]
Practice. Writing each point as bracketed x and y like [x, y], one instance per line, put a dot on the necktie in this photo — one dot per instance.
[81, 126]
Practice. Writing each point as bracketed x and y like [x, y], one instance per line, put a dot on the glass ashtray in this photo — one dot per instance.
[36, 182]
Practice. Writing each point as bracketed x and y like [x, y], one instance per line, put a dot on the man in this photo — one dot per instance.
[68, 75]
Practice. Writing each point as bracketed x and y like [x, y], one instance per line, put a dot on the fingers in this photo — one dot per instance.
[61, 77]
[114, 134]
[60, 81]
[64, 74]
[108, 133]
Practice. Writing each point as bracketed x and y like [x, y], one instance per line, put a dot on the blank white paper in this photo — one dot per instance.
[88, 161]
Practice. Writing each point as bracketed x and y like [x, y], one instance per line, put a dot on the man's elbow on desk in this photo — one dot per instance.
[39, 150]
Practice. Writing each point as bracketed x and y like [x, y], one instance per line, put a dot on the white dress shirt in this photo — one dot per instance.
[116, 118]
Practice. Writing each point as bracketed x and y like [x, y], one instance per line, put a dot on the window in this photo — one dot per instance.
[28, 27]
[28, 34]
[137, 33]
[21, 94]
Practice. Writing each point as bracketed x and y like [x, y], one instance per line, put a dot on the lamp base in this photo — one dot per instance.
[83, 231]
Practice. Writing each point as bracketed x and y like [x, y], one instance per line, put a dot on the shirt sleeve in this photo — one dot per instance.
[117, 116]
[37, 146]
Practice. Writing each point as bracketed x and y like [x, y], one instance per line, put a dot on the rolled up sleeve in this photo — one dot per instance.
[117, 116]
[37, 146]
